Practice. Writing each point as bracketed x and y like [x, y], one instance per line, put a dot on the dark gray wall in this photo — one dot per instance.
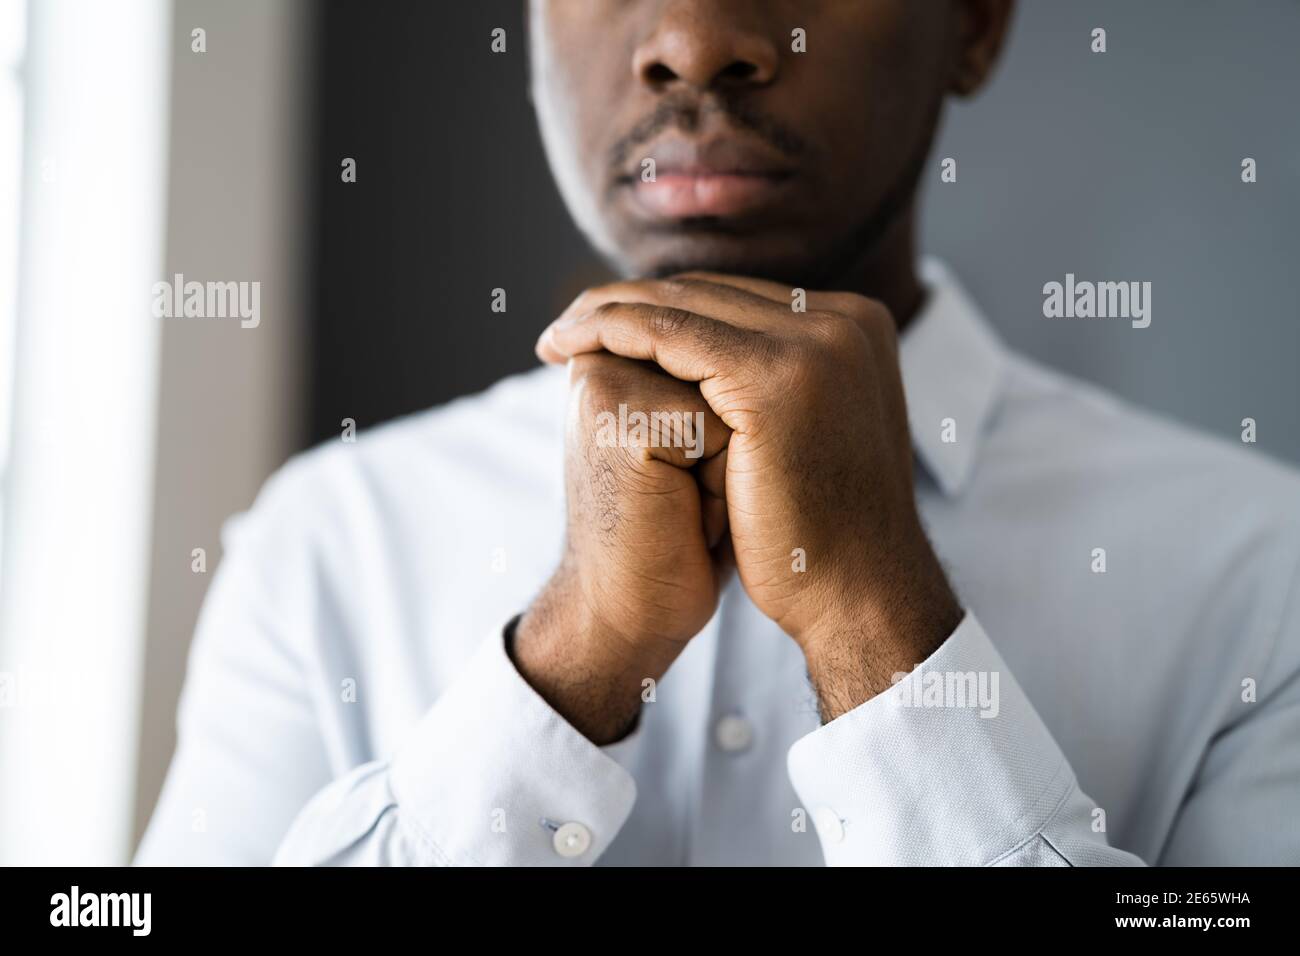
[452, 200]
[1126, 165]
[1123, 165]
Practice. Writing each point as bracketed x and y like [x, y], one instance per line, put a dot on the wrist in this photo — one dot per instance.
[592, 676]
[869, 635]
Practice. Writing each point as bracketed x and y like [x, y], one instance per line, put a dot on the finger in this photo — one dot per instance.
[724, 560]
[712, 474]
[686, 345]
[727, 302]
[713, 511]
[774, 292]
[638, 406]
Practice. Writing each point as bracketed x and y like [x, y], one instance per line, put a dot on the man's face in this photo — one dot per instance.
[767, 161]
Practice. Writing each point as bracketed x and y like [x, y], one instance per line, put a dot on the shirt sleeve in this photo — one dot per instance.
[491, 776]
[950, 766]
[249, 749]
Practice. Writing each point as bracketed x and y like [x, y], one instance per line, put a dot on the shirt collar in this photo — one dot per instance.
[952, 366]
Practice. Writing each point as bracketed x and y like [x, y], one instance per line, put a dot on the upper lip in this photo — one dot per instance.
[717, 156]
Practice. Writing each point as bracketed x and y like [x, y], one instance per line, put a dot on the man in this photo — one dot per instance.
[729, 639]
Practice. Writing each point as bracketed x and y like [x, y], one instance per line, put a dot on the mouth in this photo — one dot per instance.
[726, 178]
[691, 195]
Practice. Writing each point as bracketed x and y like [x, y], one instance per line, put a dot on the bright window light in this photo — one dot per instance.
[13, 36]
[79, 470]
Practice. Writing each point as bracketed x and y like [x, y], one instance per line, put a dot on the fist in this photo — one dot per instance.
[644, 488]
[645, 548]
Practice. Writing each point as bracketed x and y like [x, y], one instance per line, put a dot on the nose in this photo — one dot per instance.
[706, 44]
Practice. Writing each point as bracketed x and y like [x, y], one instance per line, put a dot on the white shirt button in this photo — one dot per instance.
[571, 839]
[733, 733]
[829, 825]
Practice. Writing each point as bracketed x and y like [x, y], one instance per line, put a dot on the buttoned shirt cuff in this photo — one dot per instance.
[950, 766]
[493, 775]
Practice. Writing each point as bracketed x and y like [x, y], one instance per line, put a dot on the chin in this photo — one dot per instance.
[730, 255]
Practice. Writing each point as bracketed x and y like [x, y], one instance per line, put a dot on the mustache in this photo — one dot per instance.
[686, 111]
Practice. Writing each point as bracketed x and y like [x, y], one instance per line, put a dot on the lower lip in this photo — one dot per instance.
[680, 196]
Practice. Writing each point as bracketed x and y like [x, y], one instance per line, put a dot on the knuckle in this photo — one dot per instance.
[668, 321]
[850, 303]
[836, 331]
[607, 310]
[594, 383]
[675, 287]
[869, 316]
[582, 368]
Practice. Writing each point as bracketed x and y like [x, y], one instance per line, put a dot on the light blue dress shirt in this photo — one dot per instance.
[1124, 687]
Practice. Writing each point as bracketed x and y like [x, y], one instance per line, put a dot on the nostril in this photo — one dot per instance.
[739, 70]
[658, 73]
